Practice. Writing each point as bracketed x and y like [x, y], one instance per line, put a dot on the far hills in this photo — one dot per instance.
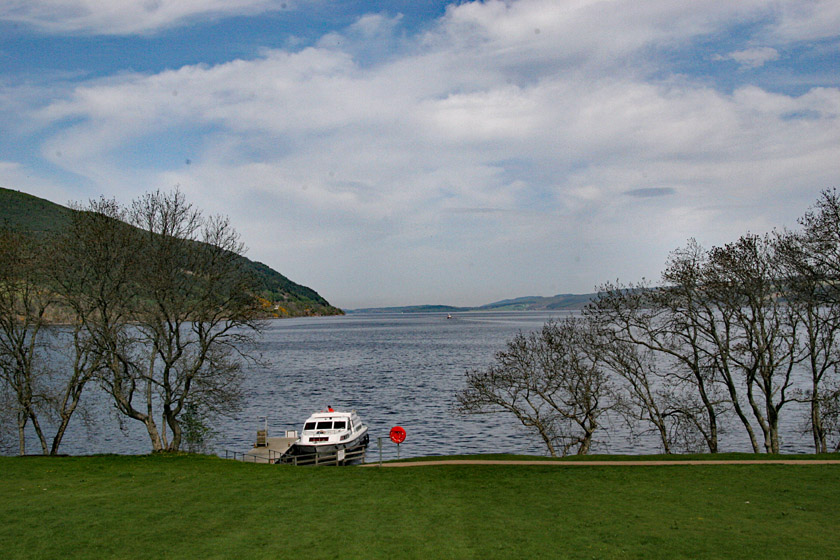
[561, 302]
[35, 216]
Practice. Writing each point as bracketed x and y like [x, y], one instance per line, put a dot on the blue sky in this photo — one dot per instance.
[407, 152]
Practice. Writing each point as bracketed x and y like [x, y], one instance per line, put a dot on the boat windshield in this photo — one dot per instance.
[324, 425]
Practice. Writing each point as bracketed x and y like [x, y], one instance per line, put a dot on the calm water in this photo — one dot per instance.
[394, 369]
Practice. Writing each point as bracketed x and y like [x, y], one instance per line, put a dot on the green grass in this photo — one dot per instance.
[204, 507]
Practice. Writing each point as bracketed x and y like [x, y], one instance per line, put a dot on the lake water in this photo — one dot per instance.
[394, 369]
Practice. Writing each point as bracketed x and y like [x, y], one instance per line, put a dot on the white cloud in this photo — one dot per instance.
[122, 17]
[496, 151]
[752, 58]
[806, 20]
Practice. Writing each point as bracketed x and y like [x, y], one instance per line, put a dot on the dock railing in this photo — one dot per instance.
[338, 458]
[270, 457]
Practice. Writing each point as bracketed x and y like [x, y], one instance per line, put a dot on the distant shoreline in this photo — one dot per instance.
[560, 302]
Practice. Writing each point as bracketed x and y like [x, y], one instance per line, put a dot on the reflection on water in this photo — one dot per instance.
[394, 369]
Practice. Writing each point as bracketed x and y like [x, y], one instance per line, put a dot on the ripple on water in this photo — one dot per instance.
[393, 369]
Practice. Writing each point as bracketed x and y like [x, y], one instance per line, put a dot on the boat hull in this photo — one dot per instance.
[300, 450]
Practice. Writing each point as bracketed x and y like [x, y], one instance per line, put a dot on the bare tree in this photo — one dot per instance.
[622, 318]
[23, 304]
[653, 340]
[549, 382]
[47, 392]
[196, 315]
[761, 343]
[809, 263]
[93, 270]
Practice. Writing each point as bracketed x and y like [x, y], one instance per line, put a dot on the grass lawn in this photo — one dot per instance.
[204, 507]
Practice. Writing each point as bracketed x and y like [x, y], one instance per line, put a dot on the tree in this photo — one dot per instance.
[23, 304]
[194, 315]
[809, 263]
[549, 382]
[762, 336]
[651, 339]
[46, 393]
[93, 270]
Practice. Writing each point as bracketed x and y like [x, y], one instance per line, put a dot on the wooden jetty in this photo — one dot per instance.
[270, 449]
[266, 449]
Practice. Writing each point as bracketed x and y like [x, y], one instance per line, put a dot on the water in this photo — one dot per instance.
[394, 369]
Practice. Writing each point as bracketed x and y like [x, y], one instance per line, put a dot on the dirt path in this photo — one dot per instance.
[609, 463]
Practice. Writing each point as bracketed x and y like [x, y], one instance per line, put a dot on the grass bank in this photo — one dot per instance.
[192, 506]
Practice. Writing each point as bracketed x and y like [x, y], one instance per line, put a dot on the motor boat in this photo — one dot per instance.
[329, 432]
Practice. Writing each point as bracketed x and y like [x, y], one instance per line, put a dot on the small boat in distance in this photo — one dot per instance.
[328, 432]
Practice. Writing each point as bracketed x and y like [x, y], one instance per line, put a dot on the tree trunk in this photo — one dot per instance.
[816, 425]
[21, 424]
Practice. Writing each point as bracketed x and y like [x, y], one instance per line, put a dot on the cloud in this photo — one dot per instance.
[806, 21]
[125, 17]
[477, 156]
[651, 192]
[751, 58]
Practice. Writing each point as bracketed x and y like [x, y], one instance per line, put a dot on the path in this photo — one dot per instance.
[609, 463]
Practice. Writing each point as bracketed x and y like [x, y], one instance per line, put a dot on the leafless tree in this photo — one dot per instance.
[92, 271]
[760, 349]
[23, 304]
[549, 382]
[165, 309]
[653, 340]
[196, 317]
[809, 264]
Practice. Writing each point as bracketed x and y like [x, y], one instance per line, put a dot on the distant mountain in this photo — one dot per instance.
[412, 309]
[538, 303]
[282, 298]
[569, 302]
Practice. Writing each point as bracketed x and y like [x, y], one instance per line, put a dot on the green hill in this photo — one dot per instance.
[26, 213]
[283, 298]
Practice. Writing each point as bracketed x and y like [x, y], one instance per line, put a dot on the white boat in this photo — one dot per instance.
[330, 431]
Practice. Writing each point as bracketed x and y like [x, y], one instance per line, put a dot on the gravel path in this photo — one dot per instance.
[608, 463]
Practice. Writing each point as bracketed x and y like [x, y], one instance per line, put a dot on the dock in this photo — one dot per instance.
[273, 448]
[266, 449]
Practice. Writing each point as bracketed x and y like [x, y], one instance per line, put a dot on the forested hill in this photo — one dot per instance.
[29, 214]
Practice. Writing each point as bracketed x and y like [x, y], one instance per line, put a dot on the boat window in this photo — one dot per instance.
[324, 425]
[309, 426]
[339, 425]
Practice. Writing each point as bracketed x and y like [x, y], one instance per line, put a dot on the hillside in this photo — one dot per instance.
[26, 213]
[538, 303]
[561, 302]
[283, 298]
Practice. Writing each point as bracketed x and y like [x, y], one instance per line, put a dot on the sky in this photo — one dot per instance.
[427, 152]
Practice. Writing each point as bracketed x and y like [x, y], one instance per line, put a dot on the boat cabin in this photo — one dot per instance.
[321, 425]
